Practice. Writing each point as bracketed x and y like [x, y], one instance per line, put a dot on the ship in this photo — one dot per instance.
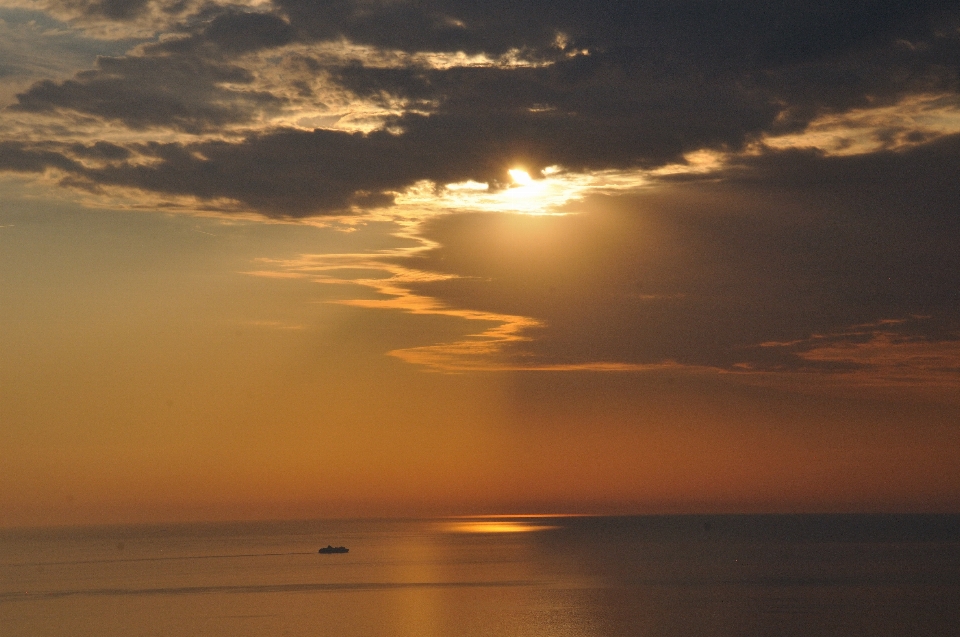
[334, 549]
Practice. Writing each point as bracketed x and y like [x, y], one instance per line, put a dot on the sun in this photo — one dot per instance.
[542, 194]
[520, 177]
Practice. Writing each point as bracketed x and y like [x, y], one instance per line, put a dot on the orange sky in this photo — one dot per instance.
[253, 268]
[147, 377]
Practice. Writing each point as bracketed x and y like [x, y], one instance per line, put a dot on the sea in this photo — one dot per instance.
[515, 576]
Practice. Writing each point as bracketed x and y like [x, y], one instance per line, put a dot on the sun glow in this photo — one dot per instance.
[468, 185]
[520, 177]
[522, 195]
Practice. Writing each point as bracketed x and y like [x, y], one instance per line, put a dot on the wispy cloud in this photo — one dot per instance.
[890, 353]
[476, 351]
[910, 121]
[493, 349]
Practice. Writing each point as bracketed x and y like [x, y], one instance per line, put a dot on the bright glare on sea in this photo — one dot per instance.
[697, 576]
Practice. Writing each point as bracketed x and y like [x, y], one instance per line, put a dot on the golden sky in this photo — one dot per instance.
[278, 259]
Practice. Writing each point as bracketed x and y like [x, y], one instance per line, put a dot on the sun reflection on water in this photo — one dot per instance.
[495, 526]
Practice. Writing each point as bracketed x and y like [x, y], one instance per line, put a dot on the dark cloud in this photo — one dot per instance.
[228, 33]
[589, 112]
[788, 246]
[711, 32]
[717, 30]
[238, 32]
[660, 80]
[172, 91]
[110, 9]
[428, 26]
[186, 81]
[286, 173]
[21, 157]
[100, 150]
[295, 173]
[690, 75]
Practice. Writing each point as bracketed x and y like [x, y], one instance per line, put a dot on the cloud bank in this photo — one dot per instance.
[821, 225]
[225, 93]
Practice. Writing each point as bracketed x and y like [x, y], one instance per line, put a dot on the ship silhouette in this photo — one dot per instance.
[334, 549]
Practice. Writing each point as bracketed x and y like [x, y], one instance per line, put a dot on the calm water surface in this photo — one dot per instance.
[877, 576]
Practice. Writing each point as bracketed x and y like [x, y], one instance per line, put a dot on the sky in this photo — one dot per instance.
[289, 259]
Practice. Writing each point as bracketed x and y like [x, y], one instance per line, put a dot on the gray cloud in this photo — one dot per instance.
[286, 173]
[111, 9]
[189, 81]
[714, 31]
[175, 91]
[691, 76]
[660, 80]
[229, 32]
[101, 151]
[21, 157]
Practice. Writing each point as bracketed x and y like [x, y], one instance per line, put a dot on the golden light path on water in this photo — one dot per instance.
[496, 525]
